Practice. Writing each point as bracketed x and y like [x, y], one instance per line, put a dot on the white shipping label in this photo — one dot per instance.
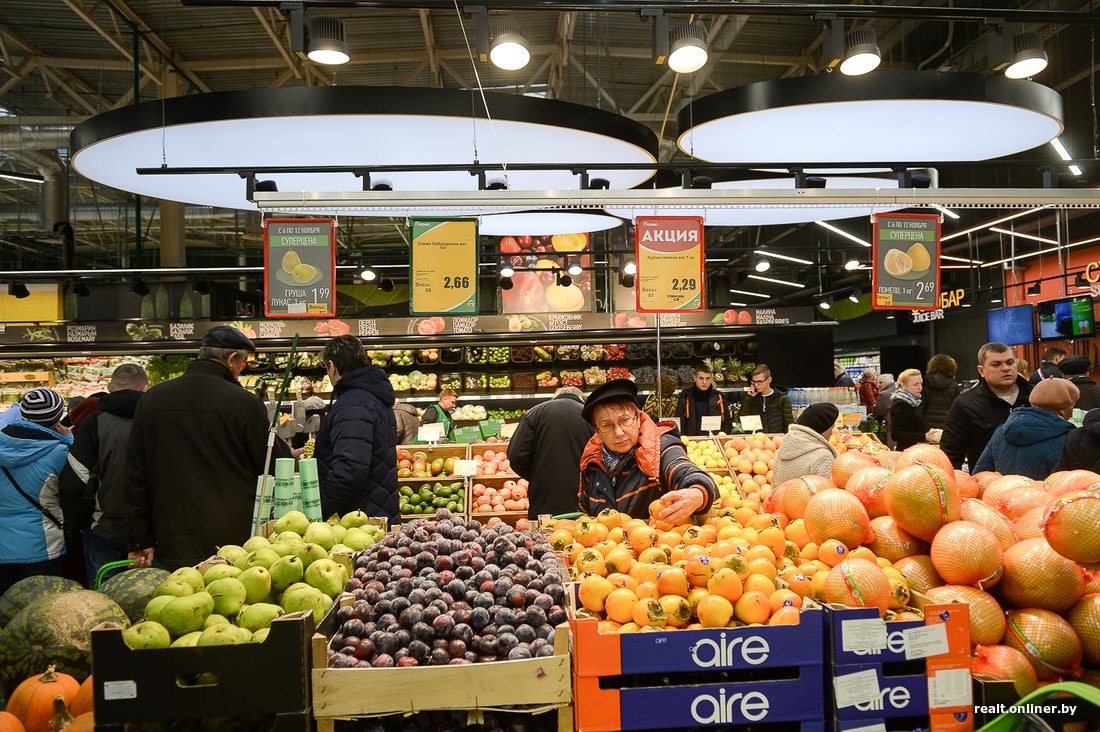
[868, 634]
[858, 688]
[113, 690]
[925, 641]
[950, 688]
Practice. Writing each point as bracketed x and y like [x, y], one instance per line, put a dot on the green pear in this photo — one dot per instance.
[258, 616]
[187, 641]
[231, 552]
[376, 531]
[319, 533]
[219, 571]
[287, 547]
[309, 552]
[260, 635]
[242, 562]
[185, 614]
[174, 586]
[295, 521]
[255, 542]
[286, 536]
[191, 576]
[340, 549]
[264, 557]
[147, 634]
[154, 606]
[215, 619]
[220, 635]
[327, 575]
[358, 539]
[286, 572]
[229, 595]
[244, 633]
[307, 598]
[338, 532]
[354, 518]
[257, 583]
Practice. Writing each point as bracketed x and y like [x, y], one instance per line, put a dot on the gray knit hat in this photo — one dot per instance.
[42, 406]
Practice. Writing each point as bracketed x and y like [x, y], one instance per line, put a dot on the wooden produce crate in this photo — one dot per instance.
[499, 481]
[147, 685]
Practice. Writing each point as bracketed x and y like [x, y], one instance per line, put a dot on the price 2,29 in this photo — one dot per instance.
[684, 284]
[456, 283]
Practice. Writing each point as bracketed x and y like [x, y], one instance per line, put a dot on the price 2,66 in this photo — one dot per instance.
[684, 284]
[456, 283]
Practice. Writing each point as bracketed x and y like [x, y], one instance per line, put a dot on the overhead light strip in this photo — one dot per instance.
[1060, 148]
[751, 294]
[784, 257]
[987, 224]
[1023, 235]
[842, 232]
[774, 281]
[945, 211]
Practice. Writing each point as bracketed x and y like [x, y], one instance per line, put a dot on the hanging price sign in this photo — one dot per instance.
[443, 267]
[669, 254]
[906, 251]
[299, 268]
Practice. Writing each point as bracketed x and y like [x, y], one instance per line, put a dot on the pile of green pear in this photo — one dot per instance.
[234, 596]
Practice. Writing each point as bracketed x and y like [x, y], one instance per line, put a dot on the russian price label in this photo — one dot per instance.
[443, 267]
[299, 268]
[906, 253]
[669, 254]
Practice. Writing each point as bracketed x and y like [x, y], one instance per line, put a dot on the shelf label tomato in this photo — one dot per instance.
[299, 268]
[669, 255]
[443, 267]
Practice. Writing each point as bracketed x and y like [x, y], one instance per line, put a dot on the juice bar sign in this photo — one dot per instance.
[906, 252]
[299, 268]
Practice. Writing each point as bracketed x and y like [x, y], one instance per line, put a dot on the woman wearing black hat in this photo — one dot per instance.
[806, 449]
[632, 461]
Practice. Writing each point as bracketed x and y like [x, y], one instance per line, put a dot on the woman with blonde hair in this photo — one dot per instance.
[907, 426]
[939, 390]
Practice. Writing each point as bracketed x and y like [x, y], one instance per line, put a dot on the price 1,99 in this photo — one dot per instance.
[684, 284]
[321, 294]
[456, 283]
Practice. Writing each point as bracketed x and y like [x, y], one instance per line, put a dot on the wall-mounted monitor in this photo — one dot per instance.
[1014, 326]
[1065, 318]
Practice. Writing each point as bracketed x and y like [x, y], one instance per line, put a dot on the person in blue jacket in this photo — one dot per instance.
[33, 451]
[1031, 439]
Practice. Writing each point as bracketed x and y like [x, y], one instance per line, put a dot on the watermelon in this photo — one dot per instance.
[29, 589]
[133, 589]
[55, 629]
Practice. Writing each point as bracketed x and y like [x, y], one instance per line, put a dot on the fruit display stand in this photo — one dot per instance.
[534, 685]
[489, 454]
[429, 453]
[148, 685]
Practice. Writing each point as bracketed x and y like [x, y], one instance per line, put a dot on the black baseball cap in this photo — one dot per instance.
[225, 336]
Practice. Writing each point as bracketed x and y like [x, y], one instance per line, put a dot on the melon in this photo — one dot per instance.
[1084, 617]
[858, 583]
[965, 553]
[893, 542]
[987, 619]
[1071, 481]
[837, 514]
[29, 589]
[55, 629]
[1016, 502]
[866, 484]
[1036, 576]
[922, 498]
[1046, 639]
[797, 493]
[1072, 526]
[1029, 526]
[133, 589]
[919, 571]
[976, 510]
[1006, 664]
[848, 463]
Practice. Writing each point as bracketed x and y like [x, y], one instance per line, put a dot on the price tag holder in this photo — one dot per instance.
[710, 423]
[752, 423]
[299, 268]
[929, 640]
[508, 429]
[465, 468]
[858, 688]
[431, 432]
[443, 274]
[863, 635]
[669, 254]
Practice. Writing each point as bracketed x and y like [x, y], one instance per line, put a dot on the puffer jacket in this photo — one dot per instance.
[1081, 450]
[804, 451]
[774, 410]
[408, 423]
[936, 399]
[356, 448]
[1028, 443]
[972, 419]
[31, 453]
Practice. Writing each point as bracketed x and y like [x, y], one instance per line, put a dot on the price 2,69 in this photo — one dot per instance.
[456, 283]
[684, 284]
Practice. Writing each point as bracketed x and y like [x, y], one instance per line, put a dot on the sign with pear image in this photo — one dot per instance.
[299, 268]
[906, 254]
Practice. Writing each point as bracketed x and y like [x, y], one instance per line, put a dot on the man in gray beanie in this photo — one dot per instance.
[806, 449]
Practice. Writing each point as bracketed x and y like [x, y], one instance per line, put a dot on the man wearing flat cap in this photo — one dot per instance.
[196, 448]
[1076, 371]
[1031, 439]
[633, 461]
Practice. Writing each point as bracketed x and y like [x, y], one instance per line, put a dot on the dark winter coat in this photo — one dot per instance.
[356, 448]
[408, 424]
[973, 417]
[1046, 370]
[196, 449]
[1028, 443]
[937, 396]
[546, 450]
[31, 453]
[1090, 392]
[774, 410]
[906, 424]
[691, 418]
[868, 393]
[1081, 450]
[93, 493]
[658, 465]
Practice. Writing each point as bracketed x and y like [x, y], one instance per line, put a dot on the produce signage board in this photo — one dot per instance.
[906, 253]
[299, 268]
[443, 267]
[669, 255]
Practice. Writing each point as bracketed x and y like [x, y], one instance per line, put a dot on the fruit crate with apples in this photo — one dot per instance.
[136, 686]
[499, 497]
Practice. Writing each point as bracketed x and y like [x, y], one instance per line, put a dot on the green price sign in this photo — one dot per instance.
[906, 251]
[299, 268]
[443, 267]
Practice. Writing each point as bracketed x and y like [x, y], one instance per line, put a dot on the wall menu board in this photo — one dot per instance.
[443, 271]
[906, 270]
[299, 268]
[669, 255]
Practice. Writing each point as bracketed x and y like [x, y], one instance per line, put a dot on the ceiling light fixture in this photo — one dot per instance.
[688, 52]
[761, 264]
[385, 284]
[630, 266]
[562, 279]
[946, 211]
[826, 302]
[779, 255]
[506, 269]
[851, 263]
[863, 55]
[22, 177]
[510, 51]
[751, 294]
[847, 235]
[139, 288]
[328, 42]
[368, 274]
[775, 281]
[1060, 148]
[573, 266]
[506, 283]
[542, 223]
[987, 224]
[18, 290]
[1028, 57]
[627, 279]
[855, 295]
[1022, 235]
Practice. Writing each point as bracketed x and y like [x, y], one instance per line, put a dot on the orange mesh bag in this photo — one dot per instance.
[1018, 501]
[967, 485]
[1036, 576]
[920, 572]
[987, 618]
[1029, 526]
[893, 542]
[848, 463]
[858, 583]
[999, 486]
[977, 511]
[797, 493]
[966, 553]
[1007, 664]
[1072, 526]
[922, 498]
[924, 454]
[866, 484]
[1071, 481]
[837, 514]
[1084, 617]
[1046, 639]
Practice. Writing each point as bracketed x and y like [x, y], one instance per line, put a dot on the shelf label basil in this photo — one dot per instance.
[443, 267]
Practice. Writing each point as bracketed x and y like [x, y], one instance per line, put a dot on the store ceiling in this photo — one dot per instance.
[65, 60]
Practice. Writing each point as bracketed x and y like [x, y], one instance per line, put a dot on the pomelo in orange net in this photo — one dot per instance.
[1029, 526]
[1046, 639]
[987, 619]
[866, 484]
[1018, 501]
[847, 463]
[797, 492]
[920, 572]
[996, 488]
[1036, 576]
[893, 542]
[1092, 581]
[976, 510]
[967, 485]
[1072, 526]
[1071, 481]
[837, 514]
[888, 458]
[984, 478]
[921, 498]
[924, 454]
[858, 583]
[1085, 619]
[965, 553]
[1007, 664]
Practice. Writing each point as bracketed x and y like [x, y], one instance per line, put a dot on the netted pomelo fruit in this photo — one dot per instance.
[866, 484]
[888, 458]
[984, 478]
[997, 487]
[1092, 581]
[966, 553]
[858, 583]
[918, 253]
[1046, 639]
[848, 463]
[966, 484]
[920, 572]
[1015, 502]
[1072, 526]
[897, 263]
[976, 510]
[1085, 619]
[1036, 576]
[1007, 664]
[987, 619]
[797, 492]
[1071, 481]
[924, 454]
[837, 514]
[893, 542]
[1029, 526]
[922, 498]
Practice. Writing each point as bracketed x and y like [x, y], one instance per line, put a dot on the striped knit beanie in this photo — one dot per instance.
[42, 406]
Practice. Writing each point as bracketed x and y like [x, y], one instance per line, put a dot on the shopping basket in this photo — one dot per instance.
[121, 563]
[1020, 719]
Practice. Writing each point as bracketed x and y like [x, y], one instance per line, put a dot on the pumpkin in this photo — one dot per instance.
[10, 723]
[32, 701]
[84, 699]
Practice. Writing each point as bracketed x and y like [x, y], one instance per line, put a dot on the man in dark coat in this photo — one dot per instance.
[546, 450]
[196, 451]
[1076, 369]
[356, 449]
[772, 405]
[701, 400]
[1081, 450]
[1051, 367]
[977, 412]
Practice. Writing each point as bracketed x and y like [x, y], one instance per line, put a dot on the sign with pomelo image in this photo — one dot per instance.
[906, 254]
[299, 268]
[669, 255]
[443, 267]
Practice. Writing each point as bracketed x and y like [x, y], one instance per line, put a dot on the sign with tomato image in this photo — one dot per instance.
[299, 268]
[669, 254]
[538, 261]
[906, 255]
[443, 273]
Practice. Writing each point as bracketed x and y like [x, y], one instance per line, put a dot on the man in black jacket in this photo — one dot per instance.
[546, 450]
[976, 413]
[1050, 368]
[1076, 369]
[701, 400]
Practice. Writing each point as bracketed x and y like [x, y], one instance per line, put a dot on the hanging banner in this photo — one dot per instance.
[669, 254]
[443, 267]
[299, 268]
[906, 254]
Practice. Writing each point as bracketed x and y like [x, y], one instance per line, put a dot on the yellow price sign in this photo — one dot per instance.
[669, 254]
[443, 267]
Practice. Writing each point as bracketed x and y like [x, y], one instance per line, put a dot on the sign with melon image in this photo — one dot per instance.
[906, 253]
[299, 268]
